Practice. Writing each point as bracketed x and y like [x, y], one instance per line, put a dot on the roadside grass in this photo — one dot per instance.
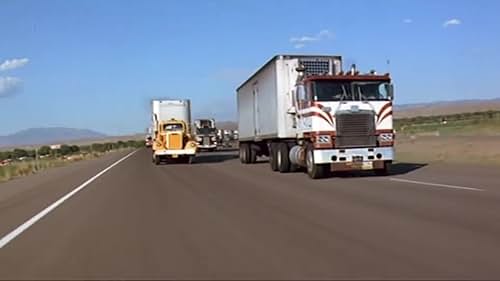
[469, 124]
[458, 128]
[24, 168]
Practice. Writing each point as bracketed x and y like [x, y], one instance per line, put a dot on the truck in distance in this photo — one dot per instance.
[206, 134]
[172, 138]
[304, 111]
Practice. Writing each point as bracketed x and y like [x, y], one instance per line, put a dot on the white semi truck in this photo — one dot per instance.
[304, 111]
[172, 139]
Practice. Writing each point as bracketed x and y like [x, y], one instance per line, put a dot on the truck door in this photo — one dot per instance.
[256, 109]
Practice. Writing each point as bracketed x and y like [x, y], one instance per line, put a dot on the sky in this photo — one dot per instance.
[96, 64]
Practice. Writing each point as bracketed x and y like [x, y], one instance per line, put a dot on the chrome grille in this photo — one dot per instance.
[355, 129]
[206, 140]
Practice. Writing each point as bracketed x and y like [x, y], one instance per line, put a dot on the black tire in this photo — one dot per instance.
[273, 147]
[244, 153]
[157, 160]
[385, 171]
[282, 158]
[315, 171]
[252, 154]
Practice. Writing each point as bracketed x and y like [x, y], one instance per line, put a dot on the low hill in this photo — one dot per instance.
[48, 136]
[445, 108]
[227, 125]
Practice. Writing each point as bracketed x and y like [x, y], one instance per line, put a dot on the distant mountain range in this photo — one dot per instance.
[48, 136]
[445, 107]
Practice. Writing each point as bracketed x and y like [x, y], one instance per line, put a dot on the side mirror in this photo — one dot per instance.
[390, 91]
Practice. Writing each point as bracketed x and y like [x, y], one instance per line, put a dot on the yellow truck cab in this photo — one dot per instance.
[172, 137]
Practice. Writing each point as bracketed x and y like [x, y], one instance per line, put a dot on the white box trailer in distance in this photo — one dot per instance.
[304, 111]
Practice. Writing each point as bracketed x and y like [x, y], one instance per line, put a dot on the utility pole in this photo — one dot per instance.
[36, 159]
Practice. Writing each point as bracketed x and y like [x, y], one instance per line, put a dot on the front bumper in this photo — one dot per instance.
[326, 156]
[207, 146]
[174, 152]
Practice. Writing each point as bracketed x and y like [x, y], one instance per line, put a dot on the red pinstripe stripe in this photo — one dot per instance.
[385, 116]
[387, 105]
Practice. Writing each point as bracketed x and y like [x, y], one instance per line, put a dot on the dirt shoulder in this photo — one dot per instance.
[449, 149]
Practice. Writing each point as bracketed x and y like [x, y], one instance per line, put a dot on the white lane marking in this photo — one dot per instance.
[437, 184]
[20, 229]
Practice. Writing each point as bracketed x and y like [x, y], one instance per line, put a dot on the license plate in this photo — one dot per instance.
[357, 159]
[175, 156]
[367, 165]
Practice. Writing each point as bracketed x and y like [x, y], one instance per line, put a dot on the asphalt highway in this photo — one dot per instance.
[219, 219]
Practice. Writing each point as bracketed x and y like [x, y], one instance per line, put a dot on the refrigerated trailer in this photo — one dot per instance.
[304, 111]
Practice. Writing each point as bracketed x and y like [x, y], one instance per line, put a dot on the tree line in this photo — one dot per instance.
[65, 149]
[480, 115]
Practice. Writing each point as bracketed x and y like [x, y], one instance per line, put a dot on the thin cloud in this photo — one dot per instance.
[407, 21]
[301, 41]
[452, 22]
[299, 46]
[9, 86]
[13, 64]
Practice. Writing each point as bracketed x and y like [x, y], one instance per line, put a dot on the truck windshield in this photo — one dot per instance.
[205, 123]
[205, 131]
[341, 90]
[371, 90]
[172, 127]
[332, 91]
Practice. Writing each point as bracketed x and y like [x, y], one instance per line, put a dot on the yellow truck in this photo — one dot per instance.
[172, 138]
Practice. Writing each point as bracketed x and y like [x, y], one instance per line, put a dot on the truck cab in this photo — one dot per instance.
[347, 120]
[206, 134]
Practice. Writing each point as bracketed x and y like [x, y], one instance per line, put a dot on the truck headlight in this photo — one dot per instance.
[198, 138]
[323, 139]
[385, 137]
[213, 138]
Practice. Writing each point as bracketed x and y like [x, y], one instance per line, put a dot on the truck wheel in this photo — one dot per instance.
[157, 160]
[252, 153]
[244, 153]
[385, 171]
[273, 147]
[282, 158]
[315, 171]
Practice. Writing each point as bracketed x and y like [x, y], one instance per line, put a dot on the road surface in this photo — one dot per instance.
[218, 219]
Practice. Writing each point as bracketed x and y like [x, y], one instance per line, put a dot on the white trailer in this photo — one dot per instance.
[171, 109]
[304, 111]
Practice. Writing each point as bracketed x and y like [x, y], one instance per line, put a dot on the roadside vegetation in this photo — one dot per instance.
[468, 138]
[21, 162]
[485, 123]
